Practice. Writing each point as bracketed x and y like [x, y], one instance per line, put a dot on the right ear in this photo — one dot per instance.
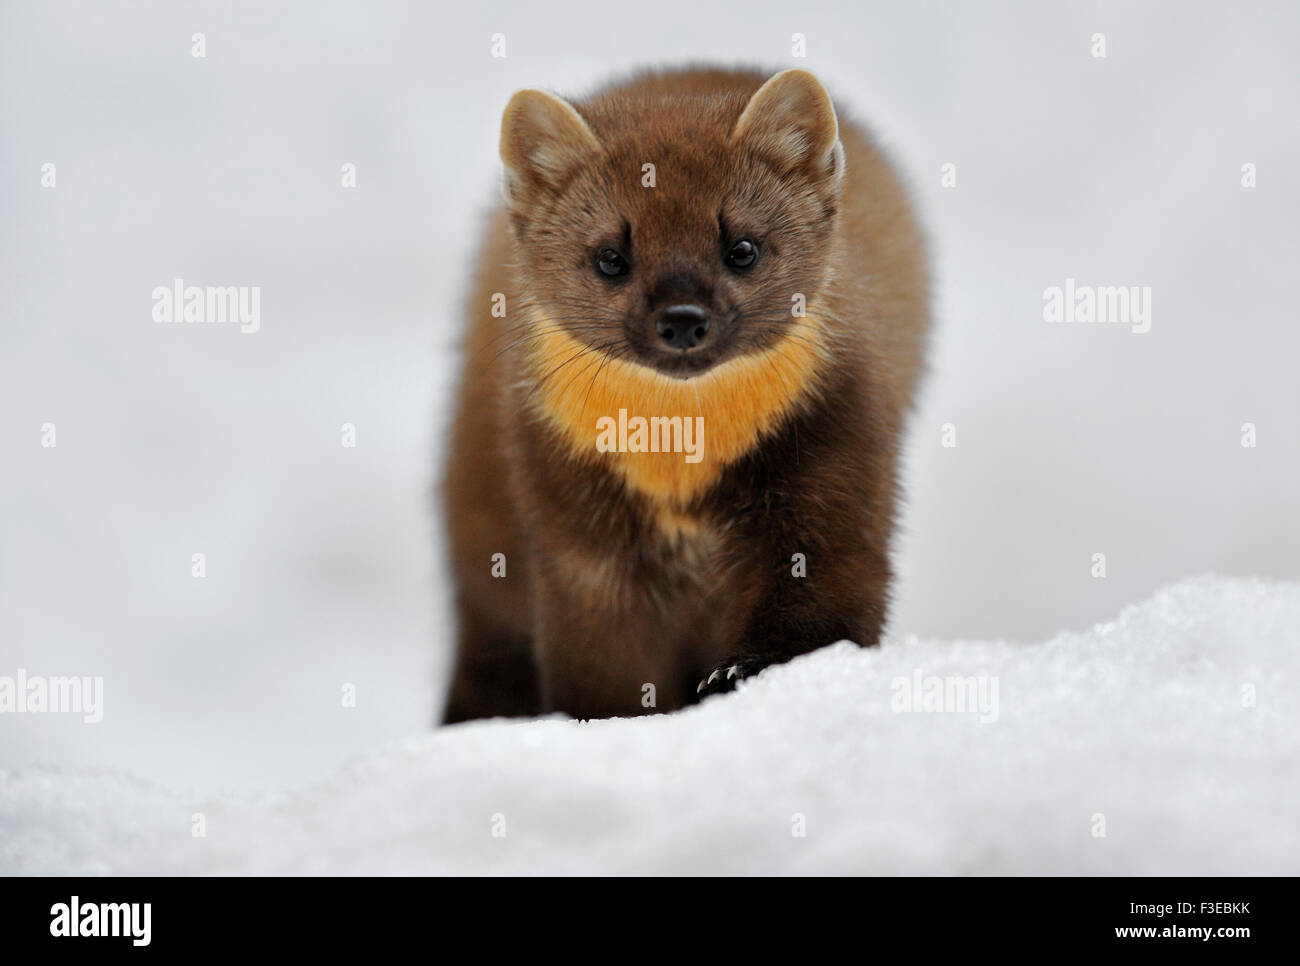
[791, 119]
[542, 138]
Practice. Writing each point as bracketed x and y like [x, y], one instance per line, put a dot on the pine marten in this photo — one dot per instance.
[699, 320]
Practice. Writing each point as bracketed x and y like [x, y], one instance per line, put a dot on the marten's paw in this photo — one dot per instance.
[728, 674]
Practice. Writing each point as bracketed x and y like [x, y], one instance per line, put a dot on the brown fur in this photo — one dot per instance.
[634, 569]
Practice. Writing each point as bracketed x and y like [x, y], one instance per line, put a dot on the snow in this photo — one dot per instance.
[1175, 725]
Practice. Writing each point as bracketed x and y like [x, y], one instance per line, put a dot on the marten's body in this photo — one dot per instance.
[638, 581]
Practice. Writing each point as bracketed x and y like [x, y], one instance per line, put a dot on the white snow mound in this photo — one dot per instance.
[1166, 742]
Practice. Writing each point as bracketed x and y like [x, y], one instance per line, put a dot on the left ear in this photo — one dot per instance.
[791, 120]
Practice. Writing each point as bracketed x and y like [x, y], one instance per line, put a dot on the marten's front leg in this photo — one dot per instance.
[836, 590]
[601, 653]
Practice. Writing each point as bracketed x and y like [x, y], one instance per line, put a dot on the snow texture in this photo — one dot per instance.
[1175, 725]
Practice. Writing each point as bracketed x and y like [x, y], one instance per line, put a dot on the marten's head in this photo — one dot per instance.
[674, 231]
[667, 245]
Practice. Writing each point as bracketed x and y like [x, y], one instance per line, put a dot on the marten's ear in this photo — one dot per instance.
[542, 137]
[790, 119]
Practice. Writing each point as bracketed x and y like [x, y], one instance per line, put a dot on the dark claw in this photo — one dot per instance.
[728, 674]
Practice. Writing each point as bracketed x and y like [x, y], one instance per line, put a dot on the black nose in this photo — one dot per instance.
[683, 326]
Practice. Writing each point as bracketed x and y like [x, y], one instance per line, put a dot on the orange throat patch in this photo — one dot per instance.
[670, 439]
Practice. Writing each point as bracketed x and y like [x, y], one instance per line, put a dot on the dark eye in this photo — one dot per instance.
[611, 263]
[742, 254]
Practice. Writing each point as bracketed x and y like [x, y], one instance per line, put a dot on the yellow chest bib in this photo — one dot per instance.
[594, 401]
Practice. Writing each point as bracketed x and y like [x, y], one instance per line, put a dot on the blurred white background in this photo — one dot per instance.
[323, 562]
